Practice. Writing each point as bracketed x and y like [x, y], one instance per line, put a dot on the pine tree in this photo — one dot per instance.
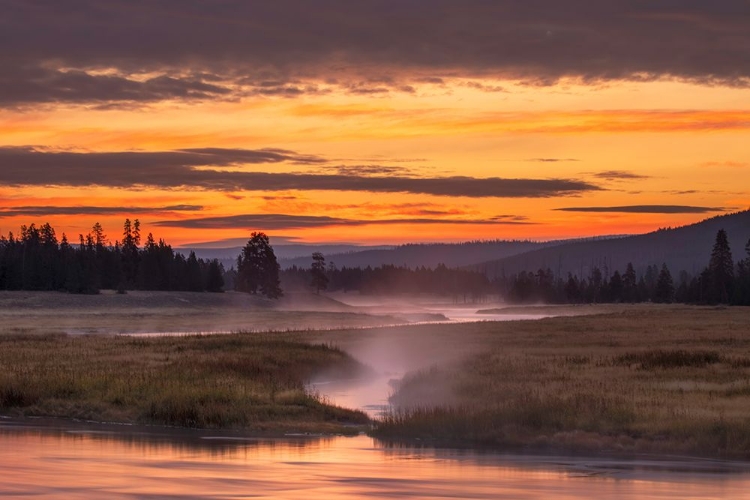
[215, 277]
[629, 284]
[258, 269]
[664, 293]
[616, 287]
[721, 270]
[318, 272]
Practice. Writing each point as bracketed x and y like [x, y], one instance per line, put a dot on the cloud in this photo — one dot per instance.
[40, 211]
[510, 218]
[368, 170]
[176, 169]
[617, 175]
[646, 209]
[552, 160]
[43, 85]
[269, 222]
[485, 88]
[95, 51]
[730, 164]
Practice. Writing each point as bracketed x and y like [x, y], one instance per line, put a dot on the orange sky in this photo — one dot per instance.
[652, 152]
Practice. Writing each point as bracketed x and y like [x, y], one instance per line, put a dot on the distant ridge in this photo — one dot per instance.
[685, 248]
[427, 254]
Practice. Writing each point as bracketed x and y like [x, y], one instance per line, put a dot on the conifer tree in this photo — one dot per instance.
[318, 272]
[664, 292]
[258, 269]
[721, 270]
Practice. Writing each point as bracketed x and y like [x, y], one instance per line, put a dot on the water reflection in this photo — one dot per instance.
[96, 462]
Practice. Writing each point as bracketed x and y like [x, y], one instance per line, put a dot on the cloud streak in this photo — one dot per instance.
[617, 175]
[645, 209]
[269, 222]
[177, 169]
[37, 211]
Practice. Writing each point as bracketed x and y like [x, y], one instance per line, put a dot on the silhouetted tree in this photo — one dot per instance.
[258, 269]
[215, 277]
[318, 272]
[664, 287]
[615, 287]
[629, 284]
[131, 238]
[721, 271]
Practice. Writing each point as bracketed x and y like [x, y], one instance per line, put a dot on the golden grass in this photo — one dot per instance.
[648, 378]
[248, 381]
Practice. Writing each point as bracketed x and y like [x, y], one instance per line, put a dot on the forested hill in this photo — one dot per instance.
[685, 248]
[428, 255]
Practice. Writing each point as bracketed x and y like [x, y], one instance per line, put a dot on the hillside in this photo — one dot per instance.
[428, 255]
[684, 248]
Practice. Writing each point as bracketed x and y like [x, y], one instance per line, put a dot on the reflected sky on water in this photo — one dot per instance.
[91, 461]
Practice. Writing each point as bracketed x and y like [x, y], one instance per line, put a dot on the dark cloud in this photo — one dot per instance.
[279, 198]
[282, 221]
[646, 209]
[43, 85]
[53, 51]
[40, 211]
[617, 175]
[371, 170]
[176, 169]
[511, 218]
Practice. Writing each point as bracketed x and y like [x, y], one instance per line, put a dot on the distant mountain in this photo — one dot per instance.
[684, 248]
[428, 255]
[284, 252]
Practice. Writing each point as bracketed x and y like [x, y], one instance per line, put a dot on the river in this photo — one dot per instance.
[48, 460]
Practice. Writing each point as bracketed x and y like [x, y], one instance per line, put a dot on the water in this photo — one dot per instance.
[86, 461]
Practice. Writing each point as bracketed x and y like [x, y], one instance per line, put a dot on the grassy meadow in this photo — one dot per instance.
[241, 381]
[623, 378]
[665, 379]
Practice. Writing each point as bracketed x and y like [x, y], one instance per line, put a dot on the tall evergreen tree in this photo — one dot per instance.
[721, 271]
[629, 284]
[665, 291]
[616, 287]
[318, 272]
[215, 277]
[258, 269]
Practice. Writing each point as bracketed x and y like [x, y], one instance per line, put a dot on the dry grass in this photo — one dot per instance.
[657, 379]
[248, 381]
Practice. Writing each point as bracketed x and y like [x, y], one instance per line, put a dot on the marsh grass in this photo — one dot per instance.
[248, 381]
[661, 379]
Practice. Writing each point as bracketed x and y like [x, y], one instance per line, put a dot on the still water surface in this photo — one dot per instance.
[55, 461]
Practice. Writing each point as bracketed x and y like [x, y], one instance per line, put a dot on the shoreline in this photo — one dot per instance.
[231, 438]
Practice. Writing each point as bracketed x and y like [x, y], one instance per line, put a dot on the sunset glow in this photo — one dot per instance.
[322, 133]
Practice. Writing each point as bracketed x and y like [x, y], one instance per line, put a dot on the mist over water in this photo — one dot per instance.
[395, 352]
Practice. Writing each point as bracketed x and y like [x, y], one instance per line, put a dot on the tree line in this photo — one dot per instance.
[36, 260]
[722, 281]
[461, 284]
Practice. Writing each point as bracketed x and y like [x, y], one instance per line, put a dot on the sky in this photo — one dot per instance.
[375, 121]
